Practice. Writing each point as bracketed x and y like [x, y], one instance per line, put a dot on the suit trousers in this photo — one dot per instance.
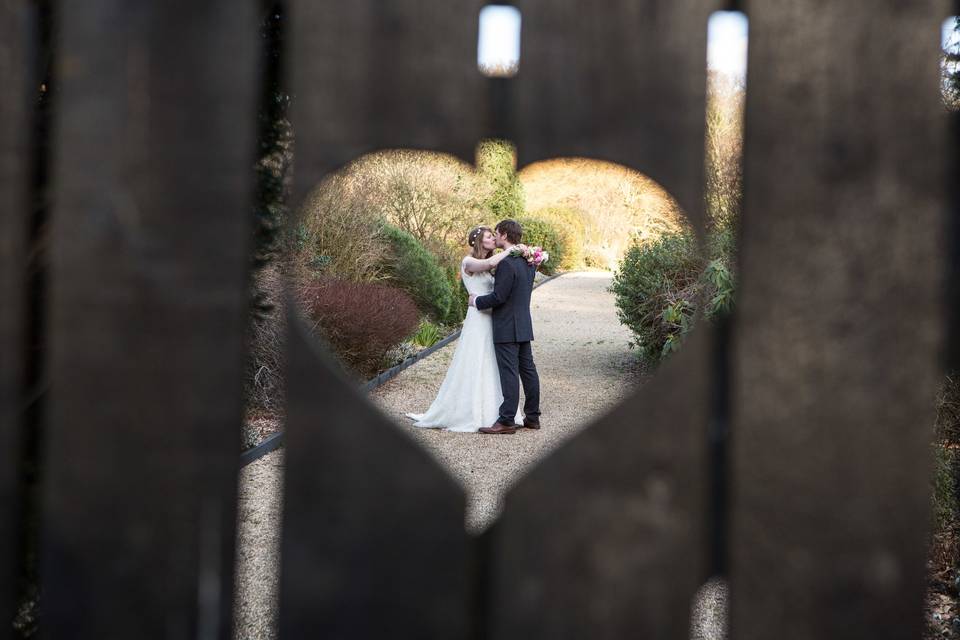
[516, 359]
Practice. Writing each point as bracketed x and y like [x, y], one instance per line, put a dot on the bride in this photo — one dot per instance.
[470, 395]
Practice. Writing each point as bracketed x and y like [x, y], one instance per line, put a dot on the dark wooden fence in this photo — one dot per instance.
[826, 379]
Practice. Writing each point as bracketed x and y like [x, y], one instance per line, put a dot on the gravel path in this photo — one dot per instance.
[585, 367]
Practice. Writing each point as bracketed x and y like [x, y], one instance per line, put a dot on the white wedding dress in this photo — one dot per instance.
[470, 396]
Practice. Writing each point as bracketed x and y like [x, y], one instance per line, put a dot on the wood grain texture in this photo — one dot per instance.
[374, 541]
[624, 81]
[14, 181]
[151, 225]
[375, 75]
[839, 319]
[604, 539]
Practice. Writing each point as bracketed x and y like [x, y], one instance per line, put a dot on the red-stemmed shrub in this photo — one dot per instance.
[360, 320]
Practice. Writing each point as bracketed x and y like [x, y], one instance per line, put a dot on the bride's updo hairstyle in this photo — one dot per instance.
[475, 240]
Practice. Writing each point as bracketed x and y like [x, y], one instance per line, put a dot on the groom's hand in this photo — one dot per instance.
[473, 299]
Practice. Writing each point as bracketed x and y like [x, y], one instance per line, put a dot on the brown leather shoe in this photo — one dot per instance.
[498, 428]
[531, 424]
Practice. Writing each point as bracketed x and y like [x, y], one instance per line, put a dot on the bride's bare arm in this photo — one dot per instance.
[476, 265]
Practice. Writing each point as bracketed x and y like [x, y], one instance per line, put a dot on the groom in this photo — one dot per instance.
[512, 332]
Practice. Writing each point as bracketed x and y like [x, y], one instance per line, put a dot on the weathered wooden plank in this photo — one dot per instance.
[14, 125]
[374, 542]
[372, 75]
[373, 536]
[153, 178]
[839, 319]
[604, 539]
[623, 82]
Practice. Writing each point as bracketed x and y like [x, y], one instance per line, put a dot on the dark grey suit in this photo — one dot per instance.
[512, 334]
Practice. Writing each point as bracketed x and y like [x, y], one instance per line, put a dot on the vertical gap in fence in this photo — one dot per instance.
[41, 84]
[952, 357]
[726, 54]
[269, 227]
[952, 351]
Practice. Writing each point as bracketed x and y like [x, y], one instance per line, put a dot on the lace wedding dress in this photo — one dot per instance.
[470, 395]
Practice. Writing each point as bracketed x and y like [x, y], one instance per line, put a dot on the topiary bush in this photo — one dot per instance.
[409, 266]
[571, 231]
[544, 233]
[362, 321]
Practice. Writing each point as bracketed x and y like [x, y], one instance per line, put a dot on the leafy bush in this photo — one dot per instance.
[652, 280]
[409, 266]
[661, 284]
[497, 165]
[459, 304]
[572, 233]
[544, 233]
[360, 320]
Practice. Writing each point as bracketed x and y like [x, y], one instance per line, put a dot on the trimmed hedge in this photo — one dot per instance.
[410, 267]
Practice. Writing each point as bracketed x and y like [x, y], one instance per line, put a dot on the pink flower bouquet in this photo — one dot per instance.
[534, 255]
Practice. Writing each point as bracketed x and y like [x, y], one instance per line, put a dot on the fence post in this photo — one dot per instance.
[839, 322]
[150, 231]
[14, 182]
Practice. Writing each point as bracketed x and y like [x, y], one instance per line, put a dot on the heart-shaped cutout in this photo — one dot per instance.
[378, 241]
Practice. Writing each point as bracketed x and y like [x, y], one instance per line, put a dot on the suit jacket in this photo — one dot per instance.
[510, 300]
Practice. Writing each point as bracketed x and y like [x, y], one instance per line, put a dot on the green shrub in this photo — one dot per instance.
[497, 166]
[660, 285]
[572, 233]
[544, 233]
[460, 299]
[652, 279]
[410, 267]
[427, 335]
